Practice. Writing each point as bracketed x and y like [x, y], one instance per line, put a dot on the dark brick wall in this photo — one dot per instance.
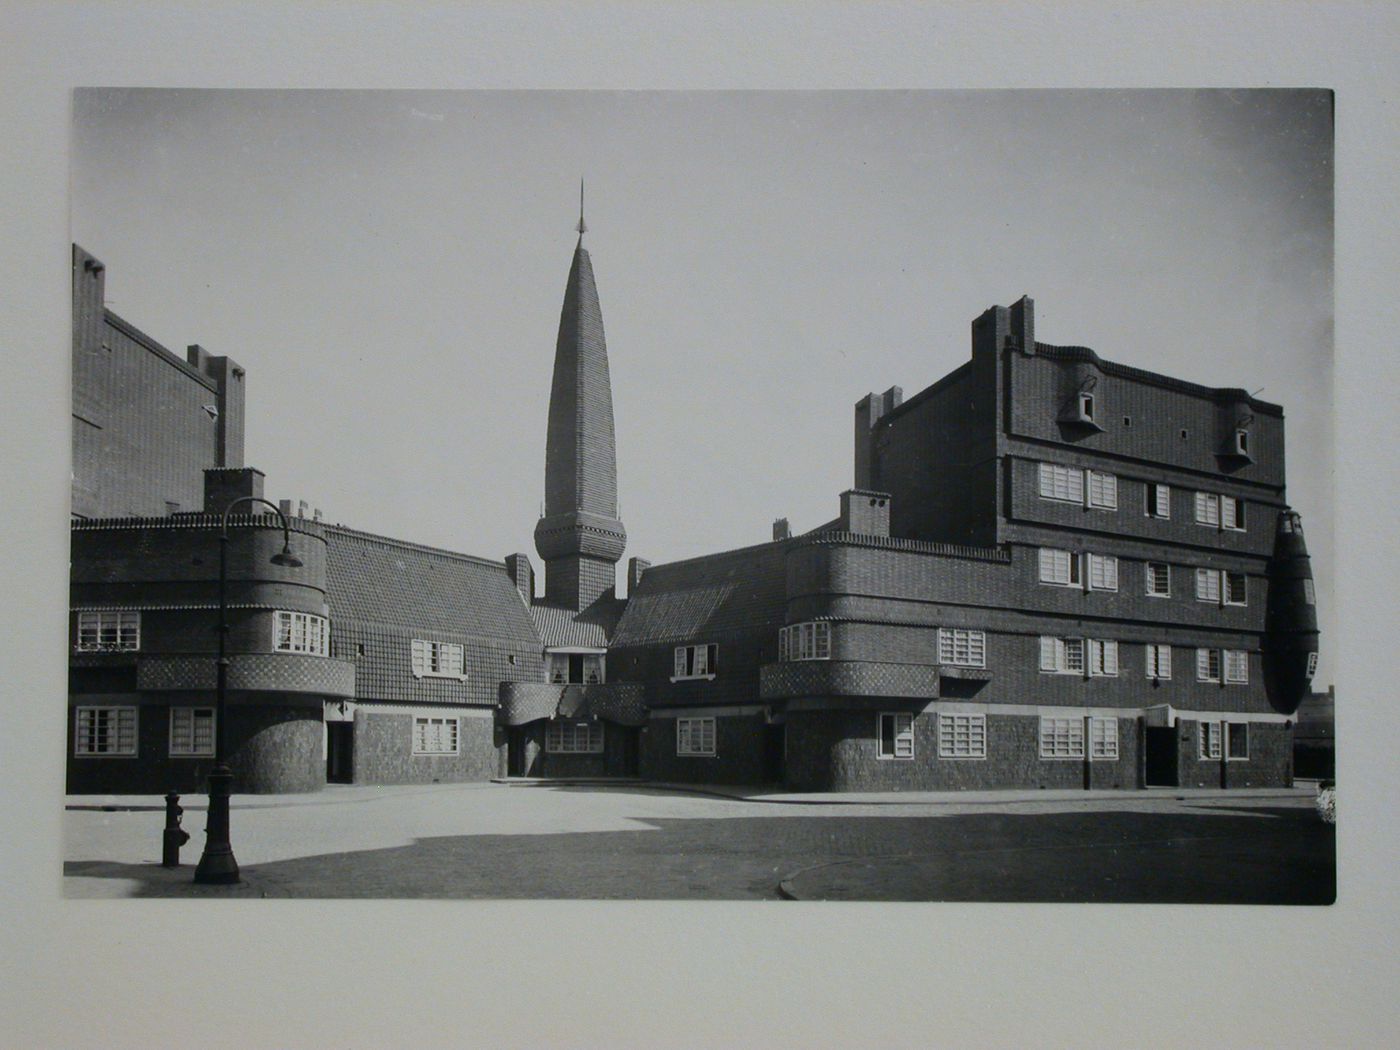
[1270, 762]
[383, 750]
[738, 757]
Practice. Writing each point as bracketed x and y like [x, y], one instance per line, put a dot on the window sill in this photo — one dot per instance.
[442, 677]
[694, 678]
[895, 758]
[695, 754]
[962, 758]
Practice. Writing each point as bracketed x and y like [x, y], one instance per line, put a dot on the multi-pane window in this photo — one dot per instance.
[576, 668]
[1103, 572]
[962, 736]
[695, 736]
[1236, 666]
[1061, 738]
[1207, 509]
[1103, 658]
[1062, 655]
[435, 736]
[1208, 585]
[109, 629]
[1059, 567]
[1210, 740]
[1159, 500]
[1234, 588]
[1224, 512]
[1312, 665]
[299, 632]
[437, 659]
[1208, 665]
[696, 661]
[1231, 514]
[896, 735]
[563, 737]
[962, 648]
[1159, 579]
[805, 641]
[1103, 738]
[1103, 490]
[105, 731]
[1159, 661]
[191, 730]
[1062, 483]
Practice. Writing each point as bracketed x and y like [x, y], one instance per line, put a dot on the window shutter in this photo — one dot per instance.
[1048, 647]
[680, 662]
[712, 658]
[783, 645]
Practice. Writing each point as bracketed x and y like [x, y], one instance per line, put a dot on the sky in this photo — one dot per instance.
[389, 268]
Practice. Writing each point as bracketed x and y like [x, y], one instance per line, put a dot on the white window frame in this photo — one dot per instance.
[183, 738]
[595, 668]
[434, 659]
[1208, 586]
[1061, 483]
[1234, 666]
[1102, 574]
[1228, 595]
[1152, 591]
[1204, 660]
[1100, 490]
[1157, 662]
[1059, 655]
[695, 737]
[301, 632]
[1234, 731]
[1103, 739]
[1232, 516]
[1102, 657]
[1208, 509]
[1061, 738]
[568, 736]
[429, 740]
[1157, 501]
[1209, 746]
[1311, 670]
[1060, 568]
[804, 641]
[113, 734]
[695, 662]
[902, 739]
[961, 647]
[108, 630]
[962, 736]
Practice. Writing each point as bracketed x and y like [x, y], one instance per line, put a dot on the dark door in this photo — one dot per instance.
[340, 752]
[1161, 756]
[515, 751]
[627, 749]
[774, 753]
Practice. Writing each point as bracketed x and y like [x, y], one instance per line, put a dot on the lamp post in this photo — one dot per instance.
[217, 864]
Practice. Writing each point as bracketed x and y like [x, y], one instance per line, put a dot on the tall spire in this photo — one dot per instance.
[580, 537]
[582, 226]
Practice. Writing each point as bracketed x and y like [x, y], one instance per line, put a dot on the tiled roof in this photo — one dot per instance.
[558, 626]
[739, 590]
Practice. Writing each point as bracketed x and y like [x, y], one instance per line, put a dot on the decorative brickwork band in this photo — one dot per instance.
[249, 672]
[619, 702]
[847, 678]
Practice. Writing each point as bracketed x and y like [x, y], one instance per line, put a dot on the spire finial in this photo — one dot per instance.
[582, 226]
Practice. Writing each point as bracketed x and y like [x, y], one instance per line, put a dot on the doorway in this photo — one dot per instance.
[775, 753]
[340, 752]
[1160, 766]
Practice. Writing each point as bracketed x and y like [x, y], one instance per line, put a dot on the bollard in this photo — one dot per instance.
[174, 835]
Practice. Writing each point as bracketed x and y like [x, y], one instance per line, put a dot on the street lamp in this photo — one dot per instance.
[217, 865]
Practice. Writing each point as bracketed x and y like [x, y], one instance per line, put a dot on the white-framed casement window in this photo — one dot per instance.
[1061, 737]
[104, 732]
[961, 736]
[1062, 655]
[895, 735]
[805, 641]
[1237, 741]
[1103, 739]
[1208, 509]
[109, 630]
[962, 648]
[1236, 666]
[1061, 568]
[1208, 585]
[1159, 500]
[1103, 572]
[1103, 658]
[1234, 588]
[1061, 483]
[1312, 665]
[1159, 579]
[437, 659]
[1101, 490]
[1231, 514]
[1158, 661]
[1207, 665]
[435, 736]
[299, 632]
[1221, 512]
[191, 731]
[563, 737]
[695, 736]
[695, 661]
[1210, 741]
[577, 668]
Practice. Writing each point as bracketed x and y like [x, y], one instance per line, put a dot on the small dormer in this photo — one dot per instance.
[1236, 450]
[1079, 413]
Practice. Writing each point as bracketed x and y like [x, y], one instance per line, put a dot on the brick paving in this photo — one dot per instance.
[637, 842]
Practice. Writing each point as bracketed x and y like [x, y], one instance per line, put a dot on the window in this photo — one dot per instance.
[1062, 483]
[1234, 589]
[805, 641]
[1159, 579]
[962, 736]
[191, 731]
[1086, 406]
[437, 659]
[1103, 658]
[1207, 665]
[1210, 740]
[573, 738]
[962, 648]
[1059, 567]
[1103, 738]
[1236, 741]
[1103, 490]
[299, 632]
[1223, 512]
[1207, 585]
[1062, 655]
[1236, 666]
[695, 736]
[1231, 514]
[1242, 441]
[105, 731]
[1062, 738]
[113, 629]
[1207, 509]
[1312, 665]
[435, 736]
[896, 735]
[695, 661]
[1309, 591]
[1103, 572]
[1159, 500]
[1159, 661]
[576, 668]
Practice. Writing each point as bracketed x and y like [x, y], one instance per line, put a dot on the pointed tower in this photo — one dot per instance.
[580, 537]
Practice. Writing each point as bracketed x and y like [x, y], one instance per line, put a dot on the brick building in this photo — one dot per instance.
[1052, 570]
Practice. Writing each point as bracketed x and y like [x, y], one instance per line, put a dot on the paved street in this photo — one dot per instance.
[639, 842]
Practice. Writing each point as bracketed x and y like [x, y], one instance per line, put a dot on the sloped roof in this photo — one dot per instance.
[376, 579]
[730, 592]
[560, 626]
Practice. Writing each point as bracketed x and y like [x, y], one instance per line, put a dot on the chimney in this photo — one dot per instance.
[223, 485]
[635, 568]
[1021, 319]
[522, 574]
[285, 506]
[781, 531]
[869, 411]
[865, 513]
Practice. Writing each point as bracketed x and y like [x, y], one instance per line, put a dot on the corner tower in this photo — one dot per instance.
[580, 537]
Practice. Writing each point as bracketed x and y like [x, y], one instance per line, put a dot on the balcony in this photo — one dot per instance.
[620, 702]
[248, 672]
